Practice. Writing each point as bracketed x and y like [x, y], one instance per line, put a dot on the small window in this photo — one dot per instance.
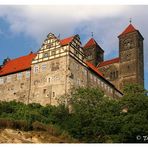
[54, 66]
[117, 74]
[27, 74]
[44, 67]
[53, 53]
[53, 94]
[8, 78]
[49, 80]
[45, 55]
[44, 91]
[111, 75]
[114, 75]
[19, 76]
[1, 80]
[22, 85]
[128, 67]
[36, 69]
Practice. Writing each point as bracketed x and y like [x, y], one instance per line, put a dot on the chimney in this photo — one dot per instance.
[6, 60]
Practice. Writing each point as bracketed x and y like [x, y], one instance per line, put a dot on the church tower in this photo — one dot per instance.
[93, 52]
[131, 57]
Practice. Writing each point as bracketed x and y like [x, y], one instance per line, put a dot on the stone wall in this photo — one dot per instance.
[15, 87]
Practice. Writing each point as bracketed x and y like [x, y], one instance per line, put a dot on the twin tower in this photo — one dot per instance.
[128, 67]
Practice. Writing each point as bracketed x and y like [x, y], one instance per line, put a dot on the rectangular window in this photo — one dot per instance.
[8, 78]
[53, 94]
[45, 55]
[54, 66]
[44, 91]
[36, 69]
[1, 80]
[53, 53]
[49, 80]
[27, 74]
[44, 67]
[19, 76]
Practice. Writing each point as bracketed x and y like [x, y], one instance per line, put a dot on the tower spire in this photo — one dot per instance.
[92, 34]
[130, 20]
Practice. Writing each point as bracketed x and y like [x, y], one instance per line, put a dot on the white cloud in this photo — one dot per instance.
[105, 21]
[37, 21]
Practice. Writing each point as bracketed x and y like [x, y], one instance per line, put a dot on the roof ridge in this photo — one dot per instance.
[107, 62]
[22, 56]
[128, 29]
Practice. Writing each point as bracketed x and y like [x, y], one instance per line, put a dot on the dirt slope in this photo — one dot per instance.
[17, 136]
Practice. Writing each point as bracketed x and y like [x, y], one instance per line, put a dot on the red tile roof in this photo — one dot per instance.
[91, 66]
[66, 40]
[18, 64]
[91, 43]
[129, 29]
[104, 63]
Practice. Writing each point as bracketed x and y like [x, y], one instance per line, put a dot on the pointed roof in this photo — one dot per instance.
[18, 64]
[91, 43]
[129, 29]
[108, 62]
[91, 66]
[66, 40]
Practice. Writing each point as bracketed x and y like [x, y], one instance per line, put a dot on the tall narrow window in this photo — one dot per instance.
[45, 55]
[53, 53]
[53, 94]
[111, 75]
[117, 74]
[36, 69]
[114, 74]
[49, 80]
[44, 67]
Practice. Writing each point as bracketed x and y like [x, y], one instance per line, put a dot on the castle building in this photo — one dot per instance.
[59, 66]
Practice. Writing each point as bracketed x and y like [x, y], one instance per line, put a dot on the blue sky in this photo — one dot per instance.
[23, 28]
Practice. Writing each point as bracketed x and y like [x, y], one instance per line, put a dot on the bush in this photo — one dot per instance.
[39, 126]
